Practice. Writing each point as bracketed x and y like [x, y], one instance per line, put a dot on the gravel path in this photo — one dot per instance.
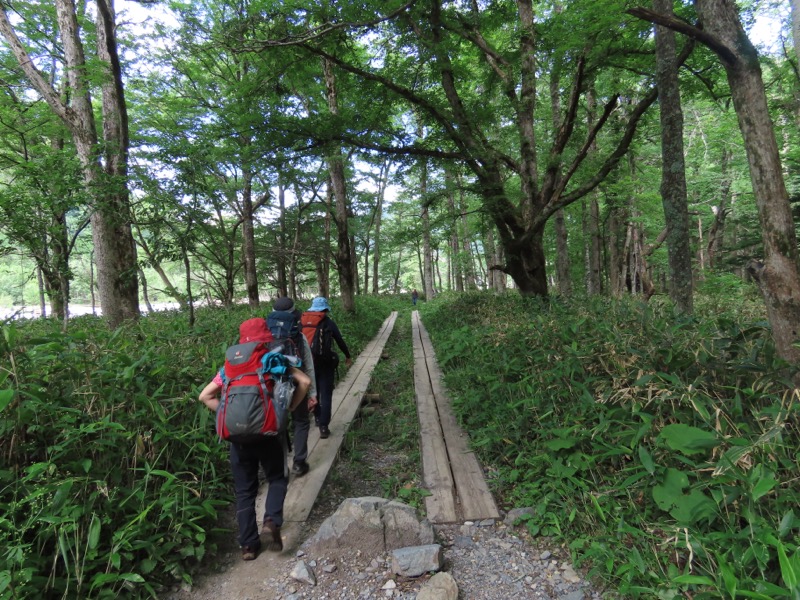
[489, 560]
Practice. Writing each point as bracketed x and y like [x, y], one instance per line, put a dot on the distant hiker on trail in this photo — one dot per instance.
[414, 296]
[261, 442]
[320, 331]
[284, 323]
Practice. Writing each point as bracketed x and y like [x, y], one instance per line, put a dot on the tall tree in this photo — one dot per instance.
[104, 160]
[673, 169]
[778, 277]
[338, 183]
[477, 85]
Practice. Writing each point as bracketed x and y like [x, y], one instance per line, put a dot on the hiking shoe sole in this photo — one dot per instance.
[272, 536]
[249, 552]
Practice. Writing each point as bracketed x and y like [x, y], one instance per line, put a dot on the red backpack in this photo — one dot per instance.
[249, 408]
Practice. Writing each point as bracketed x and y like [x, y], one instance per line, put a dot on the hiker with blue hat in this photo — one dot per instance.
[320, 332]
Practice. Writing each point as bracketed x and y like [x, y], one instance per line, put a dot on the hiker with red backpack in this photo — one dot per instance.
[252, 415]
[284, 323]
[320, 331]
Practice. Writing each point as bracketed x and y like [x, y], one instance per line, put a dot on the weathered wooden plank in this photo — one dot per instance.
[474, 498]
[437, 477]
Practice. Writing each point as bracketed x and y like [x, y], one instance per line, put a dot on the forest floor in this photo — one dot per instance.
[490, 560]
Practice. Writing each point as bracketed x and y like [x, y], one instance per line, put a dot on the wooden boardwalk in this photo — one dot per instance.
[347, 395]
[451, 471]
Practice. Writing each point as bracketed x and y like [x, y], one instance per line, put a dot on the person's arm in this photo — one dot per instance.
[308, 369]
[210, 396]
[337, 336]
[302, 383]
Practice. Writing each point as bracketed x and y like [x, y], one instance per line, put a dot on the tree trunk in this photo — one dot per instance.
[673, 168]
[189, 298]
[778, 274]
[117, 264]
[466, 248]
[376, 254]
[42, 295]
[458, 273]
[396, 286]
[113, 243]
[344, 254]
[796, 29]
[427, 261]
[716, 234]
[282, 253]
[563, 279]
[249, 240]
[591, 219]
[145, 294]
[154, 263]
[323, 258]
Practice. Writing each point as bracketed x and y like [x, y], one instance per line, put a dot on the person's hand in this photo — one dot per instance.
[348, 361]
[312, 402]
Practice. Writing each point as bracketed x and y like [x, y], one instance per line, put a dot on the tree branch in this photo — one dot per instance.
[687, 29]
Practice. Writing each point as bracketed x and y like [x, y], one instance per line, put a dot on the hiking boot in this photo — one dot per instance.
[324, 432]
[300, 468]
[250, 552]
[272, 536]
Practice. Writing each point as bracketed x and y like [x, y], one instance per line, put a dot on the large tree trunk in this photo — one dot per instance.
[113, 243]
[673, 168]
[778, 275]
[344, 254]
[116, 256]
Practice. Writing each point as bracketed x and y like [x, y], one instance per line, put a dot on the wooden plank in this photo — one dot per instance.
[437, 477]
[475, 500]
[303, 491]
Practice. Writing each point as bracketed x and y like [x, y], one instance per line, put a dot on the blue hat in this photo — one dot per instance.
[319, 304]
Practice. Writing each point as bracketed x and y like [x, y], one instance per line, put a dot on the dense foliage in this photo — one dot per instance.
[662, 449]
[111, 475]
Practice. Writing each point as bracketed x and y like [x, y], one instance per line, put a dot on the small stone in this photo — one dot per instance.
[303, 573]
[545, 555]
[569, 575]
[389, 585]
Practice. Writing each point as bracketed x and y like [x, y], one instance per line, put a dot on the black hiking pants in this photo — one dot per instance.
[270, 455]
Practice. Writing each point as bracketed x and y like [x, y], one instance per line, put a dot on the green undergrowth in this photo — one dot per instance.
[663, 449]
[111, 475]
